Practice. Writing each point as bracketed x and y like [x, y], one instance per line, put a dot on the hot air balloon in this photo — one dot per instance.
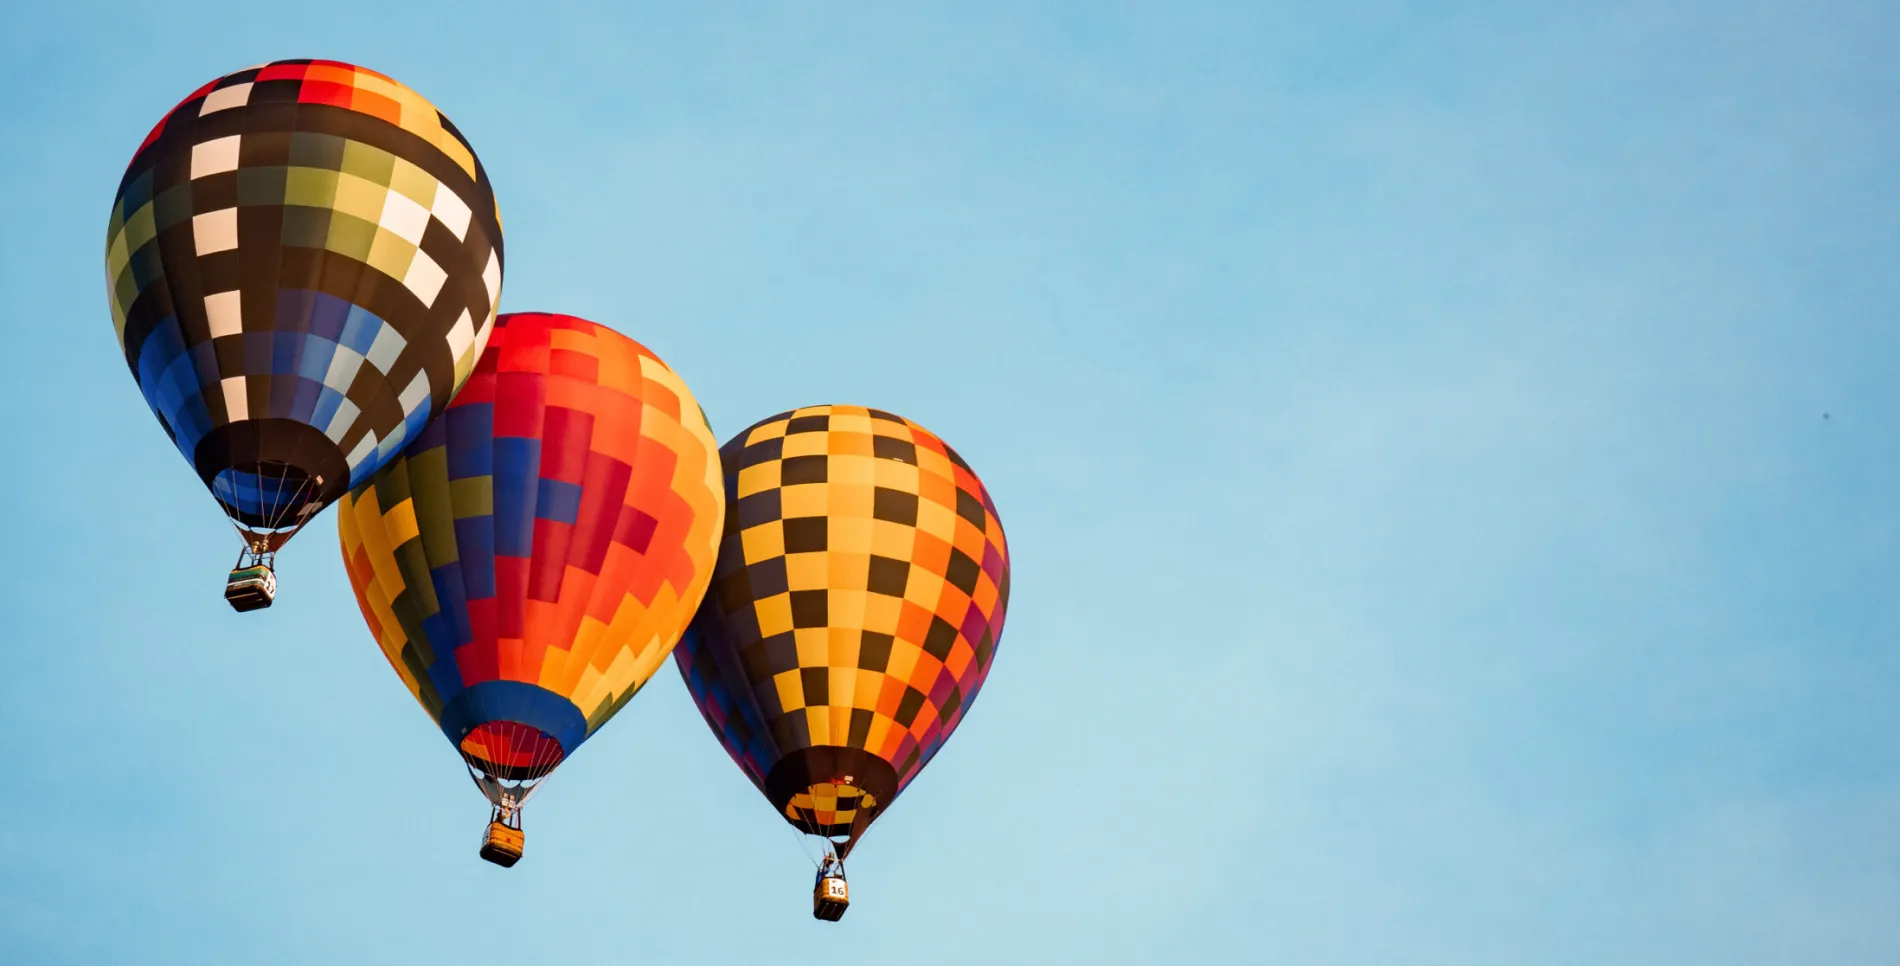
[855, 609]
[303, 263]
[530, 559]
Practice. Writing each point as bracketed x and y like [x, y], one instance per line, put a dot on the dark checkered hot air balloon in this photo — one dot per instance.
[303, 261]
[855, 609]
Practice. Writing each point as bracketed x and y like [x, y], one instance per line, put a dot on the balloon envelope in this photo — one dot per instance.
[531, 559]
[856, 606]
[303, 263]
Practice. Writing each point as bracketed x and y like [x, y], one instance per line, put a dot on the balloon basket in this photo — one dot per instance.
[251, 588]
[502, 845]
[830, 897]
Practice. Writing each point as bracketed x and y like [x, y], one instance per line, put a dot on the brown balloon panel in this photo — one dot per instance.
[860, 591]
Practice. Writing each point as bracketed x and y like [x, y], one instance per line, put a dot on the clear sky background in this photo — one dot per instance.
[1448, 451]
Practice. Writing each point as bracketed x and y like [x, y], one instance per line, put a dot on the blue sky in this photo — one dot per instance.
[1447, 451]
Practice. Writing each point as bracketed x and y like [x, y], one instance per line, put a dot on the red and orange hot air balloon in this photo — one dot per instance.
[531, 559]
[856, 606]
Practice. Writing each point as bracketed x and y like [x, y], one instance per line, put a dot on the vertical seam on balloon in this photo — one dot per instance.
[167, 270]
[642, 633]
[728, 659]
[598, 402]
[198, 284]
[600, 592]
[531, 501]
[312, 284]
[448, 491]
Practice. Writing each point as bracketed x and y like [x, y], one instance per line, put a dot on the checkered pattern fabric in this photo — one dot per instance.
[303, 263]
[533, 556]
[829, 808]
[857, 602]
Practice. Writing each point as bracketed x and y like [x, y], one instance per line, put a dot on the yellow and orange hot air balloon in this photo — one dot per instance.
[856, 606]
[532, 558]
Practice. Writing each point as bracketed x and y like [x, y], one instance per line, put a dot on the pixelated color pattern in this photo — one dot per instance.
[536, 553]
[308, 243]
[859, 595]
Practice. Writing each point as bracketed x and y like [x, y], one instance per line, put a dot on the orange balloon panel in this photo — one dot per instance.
[856, 605]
